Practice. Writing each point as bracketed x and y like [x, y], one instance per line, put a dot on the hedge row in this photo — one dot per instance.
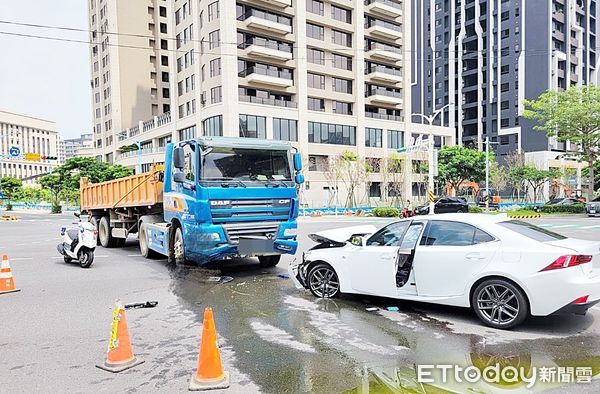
[575, 208]
[386, 212]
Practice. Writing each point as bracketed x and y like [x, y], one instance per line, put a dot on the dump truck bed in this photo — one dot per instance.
[143, 190]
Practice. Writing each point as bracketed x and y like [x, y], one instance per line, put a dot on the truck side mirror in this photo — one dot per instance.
[178, 158]
[179, 177]
[299, 179]
[297, 161]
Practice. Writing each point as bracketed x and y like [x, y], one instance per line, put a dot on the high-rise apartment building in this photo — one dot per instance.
[327, 76]
[484, 57]
[129, 66]
[77, 147]
[28, 146]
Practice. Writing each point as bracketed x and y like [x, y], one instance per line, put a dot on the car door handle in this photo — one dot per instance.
[475, 256]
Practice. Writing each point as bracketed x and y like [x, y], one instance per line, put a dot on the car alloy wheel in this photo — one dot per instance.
[500, 304]
[323, 281]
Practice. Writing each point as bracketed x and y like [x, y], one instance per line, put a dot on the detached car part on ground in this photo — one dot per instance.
[504, 269]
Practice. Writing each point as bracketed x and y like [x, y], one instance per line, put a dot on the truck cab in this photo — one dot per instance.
[227, 197]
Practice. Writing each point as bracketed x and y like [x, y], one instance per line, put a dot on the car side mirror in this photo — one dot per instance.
[178, 158]
[297, 161]
[357, 240]
[299, 179]
[179, 177]
[77, 214]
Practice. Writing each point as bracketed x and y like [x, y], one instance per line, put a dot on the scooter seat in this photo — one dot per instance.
[73, 234]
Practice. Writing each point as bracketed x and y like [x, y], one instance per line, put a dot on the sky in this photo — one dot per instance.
[42, 78]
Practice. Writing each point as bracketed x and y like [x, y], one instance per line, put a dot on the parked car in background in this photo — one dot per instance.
[445, 205]
[504, 269]
[563, 201]
[592, 208]
[494, 197]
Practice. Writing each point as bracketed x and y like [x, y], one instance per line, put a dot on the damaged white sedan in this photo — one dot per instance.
[504, 269]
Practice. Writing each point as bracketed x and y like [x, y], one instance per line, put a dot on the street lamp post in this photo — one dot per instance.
[487, 172]
[431, 148]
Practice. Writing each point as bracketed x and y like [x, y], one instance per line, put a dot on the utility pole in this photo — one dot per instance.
[431, 151]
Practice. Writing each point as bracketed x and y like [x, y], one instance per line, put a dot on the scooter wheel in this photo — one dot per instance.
[67, 259]
[85, 257]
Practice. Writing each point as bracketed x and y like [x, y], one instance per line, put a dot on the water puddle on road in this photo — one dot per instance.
[285, 340]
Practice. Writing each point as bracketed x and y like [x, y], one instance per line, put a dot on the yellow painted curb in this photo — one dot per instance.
[537, 216]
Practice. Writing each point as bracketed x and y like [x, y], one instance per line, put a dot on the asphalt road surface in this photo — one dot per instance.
[273, 337]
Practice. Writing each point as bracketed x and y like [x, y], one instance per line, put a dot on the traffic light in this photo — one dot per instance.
[49, 158]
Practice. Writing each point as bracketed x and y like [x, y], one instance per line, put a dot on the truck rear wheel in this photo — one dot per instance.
[104, 236]
[269, 261]
[144, 249]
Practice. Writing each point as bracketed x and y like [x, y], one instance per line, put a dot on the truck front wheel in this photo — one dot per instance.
[269, 261]
[178, 248]
[144, 249]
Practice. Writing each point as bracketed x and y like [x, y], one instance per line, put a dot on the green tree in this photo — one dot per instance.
[536, 178]
[10, 187]
[571, 115]
[586, 172]
[32, 195]
[55, 184]
[457, 164]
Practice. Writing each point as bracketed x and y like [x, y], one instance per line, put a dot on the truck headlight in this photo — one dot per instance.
[210, 237]
[290, 232]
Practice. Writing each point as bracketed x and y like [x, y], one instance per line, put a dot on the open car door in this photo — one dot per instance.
[374, 266]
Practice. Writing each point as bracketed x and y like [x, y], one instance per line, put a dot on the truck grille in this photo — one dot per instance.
[262, 203]
[263, 209]
[260, 229]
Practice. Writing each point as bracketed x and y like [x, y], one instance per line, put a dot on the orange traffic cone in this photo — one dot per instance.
[210, 374]
[7, 284]
[120, 356]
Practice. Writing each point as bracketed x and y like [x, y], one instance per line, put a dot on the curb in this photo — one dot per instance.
[9, 218]
[537, 216]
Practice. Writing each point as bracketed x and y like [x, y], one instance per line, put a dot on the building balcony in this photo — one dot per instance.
[384, 7]
[377, 74]
[266, 52]
[276, 3]
[266, 22]
[383, 96]
[268, 101]
[383, 30]
[380, 52]
[265, 76]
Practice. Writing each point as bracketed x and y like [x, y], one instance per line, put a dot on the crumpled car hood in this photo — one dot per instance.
[341, 235]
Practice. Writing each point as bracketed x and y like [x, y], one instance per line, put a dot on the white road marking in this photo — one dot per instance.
[276, 335]
[589, 227]
[134, 255]
[20, 258]
[564, 226]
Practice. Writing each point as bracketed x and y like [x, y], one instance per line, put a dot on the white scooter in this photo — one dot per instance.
[79, 243]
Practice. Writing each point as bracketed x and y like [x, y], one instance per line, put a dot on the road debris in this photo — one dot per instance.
[372, 309]
[140, 305]
[393, 308]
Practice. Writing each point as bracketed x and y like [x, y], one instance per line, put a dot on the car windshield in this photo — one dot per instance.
[245, 165]
[530, 231]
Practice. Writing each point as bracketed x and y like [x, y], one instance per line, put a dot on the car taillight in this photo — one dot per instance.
[95, 233]
[581, 300]
[568, 261]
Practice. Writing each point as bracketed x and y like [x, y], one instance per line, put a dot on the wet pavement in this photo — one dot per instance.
[274, 338]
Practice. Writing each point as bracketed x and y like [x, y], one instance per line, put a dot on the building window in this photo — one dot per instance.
[162, 11]
[164, 60]
[213, 126]
[504, 87]
[215, 67]
[373, 137]
[504, 122]
[341, 14]
[165, 93]
[315, 7]
[215, 95]
[316, 104]
[395, 139]
[504, 105]
[342, 85]
[341, 38]
[252, 126]
[341, 61]
[342, 108]
[213, 11]
[504, 140]
[316, 56]
[317, 163]
[328, 133]
[315, 31]
[375, 189]
[285, 129]
[316, 81]
[165, 76]
[214, 39]
[189, 133]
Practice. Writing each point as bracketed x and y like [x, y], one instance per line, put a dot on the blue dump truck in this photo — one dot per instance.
[214, 198]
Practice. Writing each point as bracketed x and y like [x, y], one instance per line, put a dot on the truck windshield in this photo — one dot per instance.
[246, 165]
